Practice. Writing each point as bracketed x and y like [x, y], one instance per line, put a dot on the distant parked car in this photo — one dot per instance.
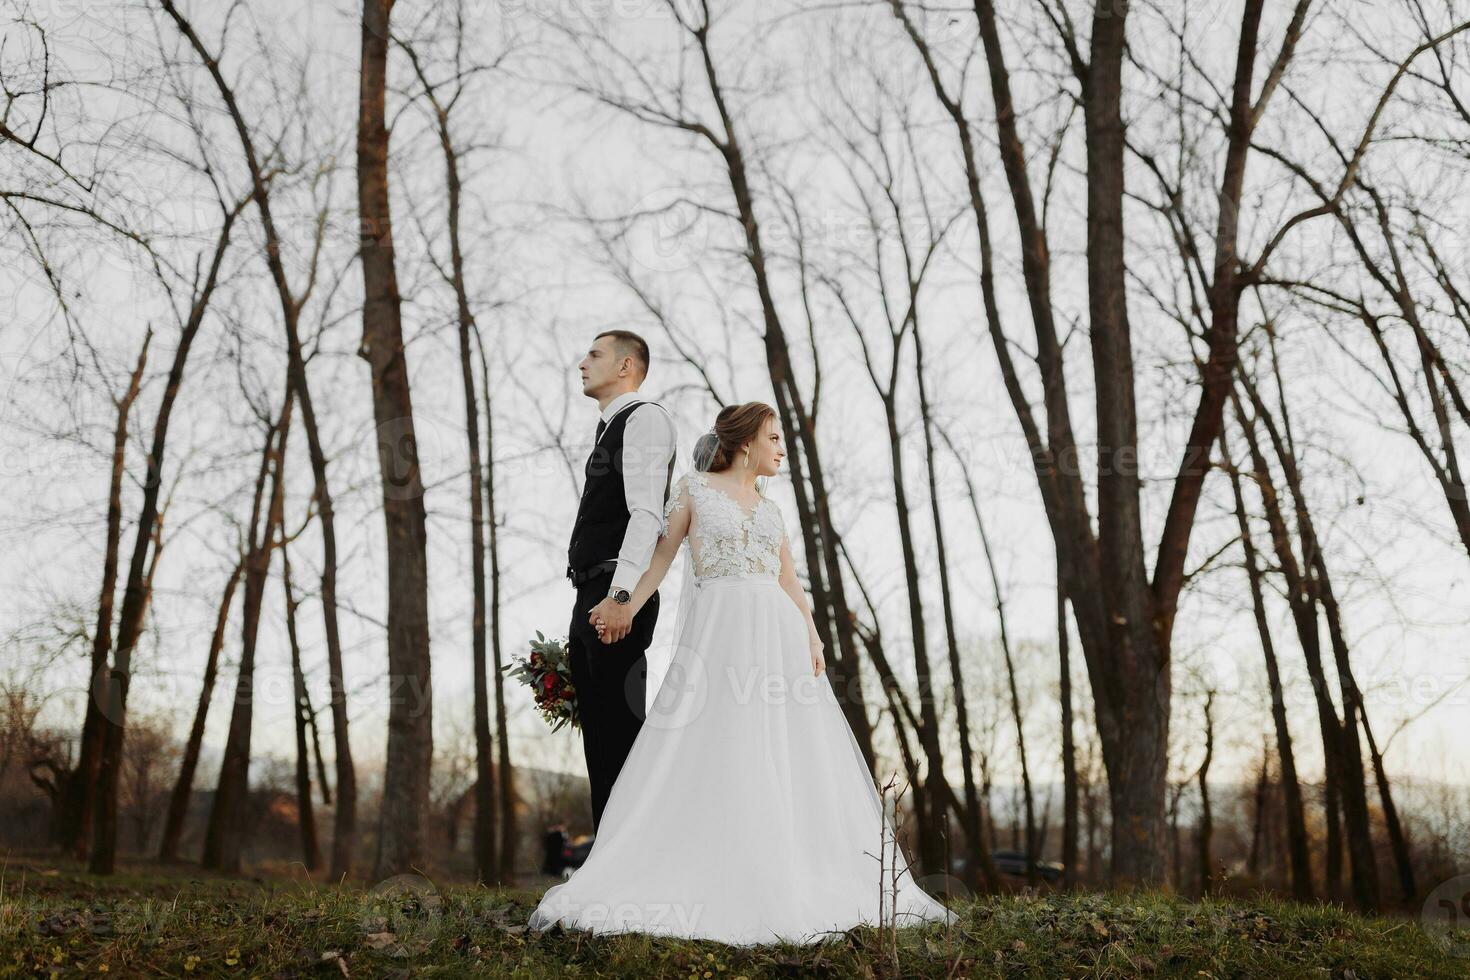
[1013, 863]
[562, 854]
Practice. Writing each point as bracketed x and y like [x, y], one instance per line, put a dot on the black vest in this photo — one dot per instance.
[602, 516]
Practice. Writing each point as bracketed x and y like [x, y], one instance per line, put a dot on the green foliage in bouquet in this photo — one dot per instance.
[547, 671]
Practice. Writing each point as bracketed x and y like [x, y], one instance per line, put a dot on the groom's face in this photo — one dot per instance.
[600, 367]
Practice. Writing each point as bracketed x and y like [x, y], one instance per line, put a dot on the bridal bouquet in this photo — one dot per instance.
[547, 671]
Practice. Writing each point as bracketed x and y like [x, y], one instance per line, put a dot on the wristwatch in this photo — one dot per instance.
[621, 596]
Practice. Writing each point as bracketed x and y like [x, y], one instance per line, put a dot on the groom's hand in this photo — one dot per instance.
[612, 620]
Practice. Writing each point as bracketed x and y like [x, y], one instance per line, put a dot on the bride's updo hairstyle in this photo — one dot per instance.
[735, 426]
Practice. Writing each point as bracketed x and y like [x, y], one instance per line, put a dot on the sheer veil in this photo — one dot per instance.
[700, 458]
[682, 675]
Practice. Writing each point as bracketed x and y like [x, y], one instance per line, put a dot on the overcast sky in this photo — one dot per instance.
[544, 291]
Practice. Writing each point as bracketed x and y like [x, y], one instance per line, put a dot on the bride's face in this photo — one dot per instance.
[766, 449]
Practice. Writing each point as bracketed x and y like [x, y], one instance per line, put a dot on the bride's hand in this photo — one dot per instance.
[819, 663]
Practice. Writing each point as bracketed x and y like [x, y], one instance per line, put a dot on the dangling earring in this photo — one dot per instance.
[747, 457]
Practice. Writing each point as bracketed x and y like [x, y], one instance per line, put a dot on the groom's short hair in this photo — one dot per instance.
[627, 343]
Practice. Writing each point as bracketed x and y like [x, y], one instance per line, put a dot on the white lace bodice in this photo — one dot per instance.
[723, 538]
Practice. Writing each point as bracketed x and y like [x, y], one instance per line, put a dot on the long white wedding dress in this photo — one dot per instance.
[744, 812]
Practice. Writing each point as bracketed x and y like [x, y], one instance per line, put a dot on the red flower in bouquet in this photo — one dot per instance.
[546, 670]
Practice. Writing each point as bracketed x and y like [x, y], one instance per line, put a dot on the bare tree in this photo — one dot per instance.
[1069, 744]
[874, 176]
[79, 787]
[1125, 618]
[1206, 831]
[225, 835]
[149, 752]
[178, 807]
[442, 98]
[505, 771]
[1398, 837]
[292, 301]
[1319, 592]
[1414, 302]
[410, 730]
[135, 595]
[311, 855]
[1295, 816]
[1304, 618]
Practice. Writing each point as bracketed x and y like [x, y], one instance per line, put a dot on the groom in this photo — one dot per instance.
[626, 483]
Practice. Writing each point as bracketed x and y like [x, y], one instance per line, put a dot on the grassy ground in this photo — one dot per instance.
[60, 921]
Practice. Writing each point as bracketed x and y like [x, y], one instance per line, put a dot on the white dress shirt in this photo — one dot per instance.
[648, 447]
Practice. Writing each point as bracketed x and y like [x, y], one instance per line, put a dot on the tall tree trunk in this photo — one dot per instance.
[178, 804]
[344, 830]
[1398, 840]
[1094, 830]
[505, 771]
[1176, 839]
[1069, 746]
[1134, 721]
[1033, 842]
[1319, 588]
[1258, 814]
[311, 855]
[410, 718]
[985, 794]
[1332, 871]
[1354, 791]
[1304, 617]
[1296, 822]
[486, 865]
[502, 795]
[1206, 816]
[1124, 621]
[931, 843]
[1043, 828]
[135, 595]
[974, 841]
[1116, 638]
[1032, 838]
[224, 835]
[344, 813]
[316, 749]
[74, 830]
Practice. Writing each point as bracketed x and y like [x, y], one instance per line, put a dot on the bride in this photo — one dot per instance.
[745, 812]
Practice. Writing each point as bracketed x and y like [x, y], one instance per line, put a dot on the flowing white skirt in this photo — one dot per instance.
[744, 812]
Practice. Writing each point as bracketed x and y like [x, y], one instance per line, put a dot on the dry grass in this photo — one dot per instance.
[57, 921]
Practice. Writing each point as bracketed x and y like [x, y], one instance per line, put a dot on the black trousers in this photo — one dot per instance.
[610, 679]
